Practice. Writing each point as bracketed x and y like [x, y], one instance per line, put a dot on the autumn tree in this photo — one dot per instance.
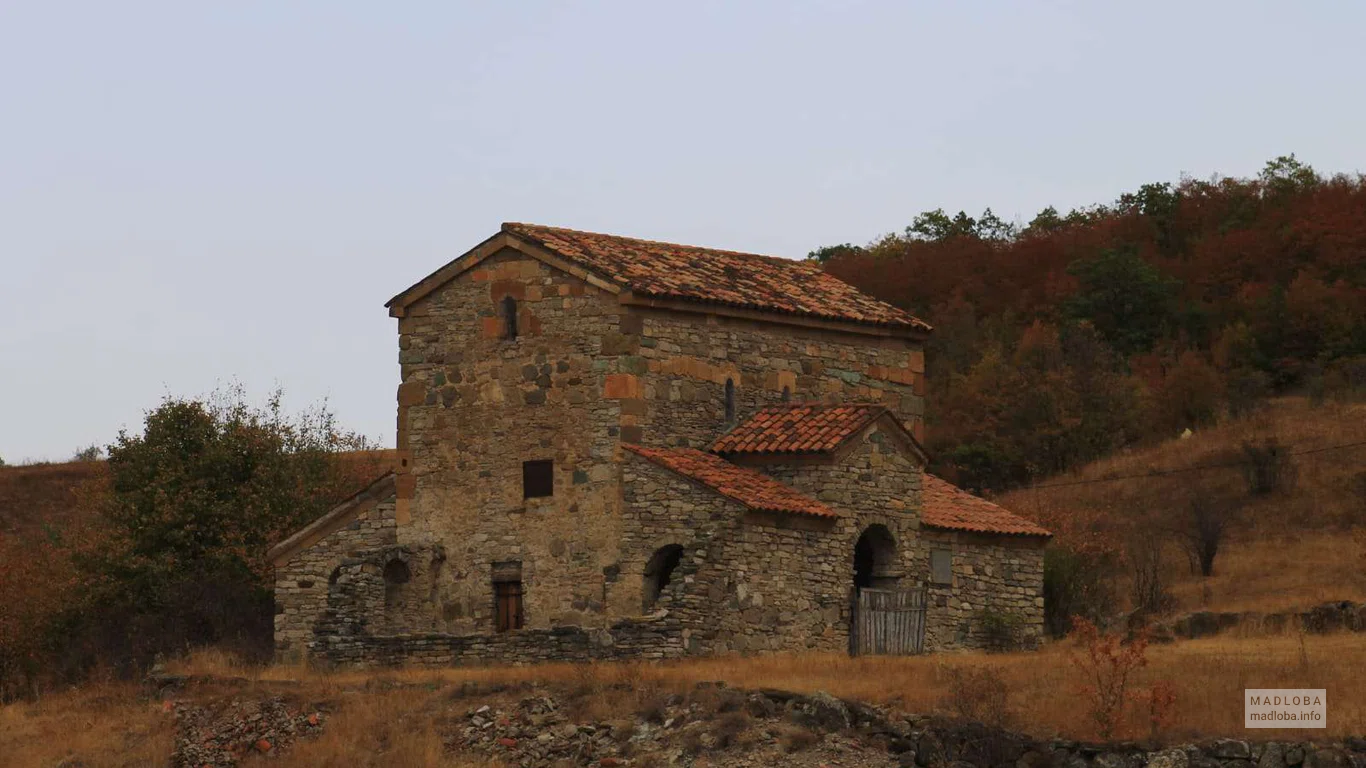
[195, 500]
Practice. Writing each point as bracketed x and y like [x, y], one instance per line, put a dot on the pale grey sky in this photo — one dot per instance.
[196, 192]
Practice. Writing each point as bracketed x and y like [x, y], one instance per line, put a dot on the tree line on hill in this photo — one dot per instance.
[1062, 340]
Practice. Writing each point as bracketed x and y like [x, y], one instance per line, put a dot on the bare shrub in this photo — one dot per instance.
[729, 728]
[1268, 467]
[797, 739]
[1202, 525]
[1148, 590]
[978, 693]
[653, 708]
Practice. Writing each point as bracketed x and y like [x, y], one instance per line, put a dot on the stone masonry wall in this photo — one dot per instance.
[474, 406]
[874, 483]
[1000, 575]
[684, 360]
[747, 582]
[303, 583]
[643, 638]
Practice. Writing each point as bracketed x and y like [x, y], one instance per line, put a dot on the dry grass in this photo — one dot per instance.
[1326, 493]
[1209, 676]
[375, 723]
[1289, 549]
[1271, 574]
[103, 725]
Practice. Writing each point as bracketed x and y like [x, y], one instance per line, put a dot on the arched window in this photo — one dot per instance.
[730, 401]
[509, 318]
[659, 572]
[787, 394]
[396, 572]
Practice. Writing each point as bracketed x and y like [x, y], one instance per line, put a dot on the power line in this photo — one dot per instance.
[1196, 468]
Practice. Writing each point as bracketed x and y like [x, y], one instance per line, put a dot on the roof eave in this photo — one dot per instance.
[802, 320]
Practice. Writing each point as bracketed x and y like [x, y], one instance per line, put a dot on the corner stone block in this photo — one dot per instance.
[916, 361]
[411, 393]
[617, 386]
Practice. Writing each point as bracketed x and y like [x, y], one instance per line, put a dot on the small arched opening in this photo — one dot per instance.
[730, 401]
[874, 558]
[659, 572]
[509, 318]
[396, 574]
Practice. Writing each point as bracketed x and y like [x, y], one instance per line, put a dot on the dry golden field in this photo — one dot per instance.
[1286, 550]
[115, 724]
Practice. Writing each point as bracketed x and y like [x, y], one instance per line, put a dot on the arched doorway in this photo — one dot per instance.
[886, 617]
[658, 573]
[875, 558]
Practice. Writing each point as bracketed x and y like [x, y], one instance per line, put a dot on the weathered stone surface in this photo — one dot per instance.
[1169, 758]
[1231, 749]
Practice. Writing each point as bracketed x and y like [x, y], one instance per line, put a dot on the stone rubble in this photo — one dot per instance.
[222, 736]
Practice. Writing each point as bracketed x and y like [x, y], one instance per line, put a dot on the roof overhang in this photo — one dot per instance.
[912, 333]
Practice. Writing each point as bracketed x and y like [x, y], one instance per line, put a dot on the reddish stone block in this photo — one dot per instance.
[411, 393]
[617, 386]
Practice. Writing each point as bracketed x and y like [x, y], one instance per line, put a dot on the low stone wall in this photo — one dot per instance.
[653, 638]
[1341, 616]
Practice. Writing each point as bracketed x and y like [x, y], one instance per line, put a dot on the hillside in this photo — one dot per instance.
[1299, 543]
[38, 495]
[1118, 324]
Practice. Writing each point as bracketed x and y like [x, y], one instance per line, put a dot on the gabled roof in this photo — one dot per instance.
[646, 269]
[806, 428]
[749, 487]
[952, 508]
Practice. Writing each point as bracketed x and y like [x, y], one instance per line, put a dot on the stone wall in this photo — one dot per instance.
[995, 578]
[303, 583]
[653, 638]
[684, 361]
[748, 582]
[474, 406]
[874, 482]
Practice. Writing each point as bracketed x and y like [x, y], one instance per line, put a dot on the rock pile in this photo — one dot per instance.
[220, 737]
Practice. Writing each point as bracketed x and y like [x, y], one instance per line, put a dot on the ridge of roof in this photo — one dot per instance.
[945, 505]
[698, 274]
[805, 428]
[746, 486]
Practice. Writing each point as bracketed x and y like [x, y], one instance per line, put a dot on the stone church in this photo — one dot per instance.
[613, 448]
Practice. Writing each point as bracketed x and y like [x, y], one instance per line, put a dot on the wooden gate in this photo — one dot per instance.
[889, 621]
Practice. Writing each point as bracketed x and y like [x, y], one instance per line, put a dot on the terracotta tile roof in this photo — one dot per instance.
[711, 276]
[807, 428]
[950, 507]
[753, 489]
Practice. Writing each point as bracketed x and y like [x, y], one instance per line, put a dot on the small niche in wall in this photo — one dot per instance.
[941, 567]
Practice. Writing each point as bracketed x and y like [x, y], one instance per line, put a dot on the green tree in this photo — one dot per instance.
[1126, 299]
[1286, 174]
[826, 253]
[194, 502]
[88, 453]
